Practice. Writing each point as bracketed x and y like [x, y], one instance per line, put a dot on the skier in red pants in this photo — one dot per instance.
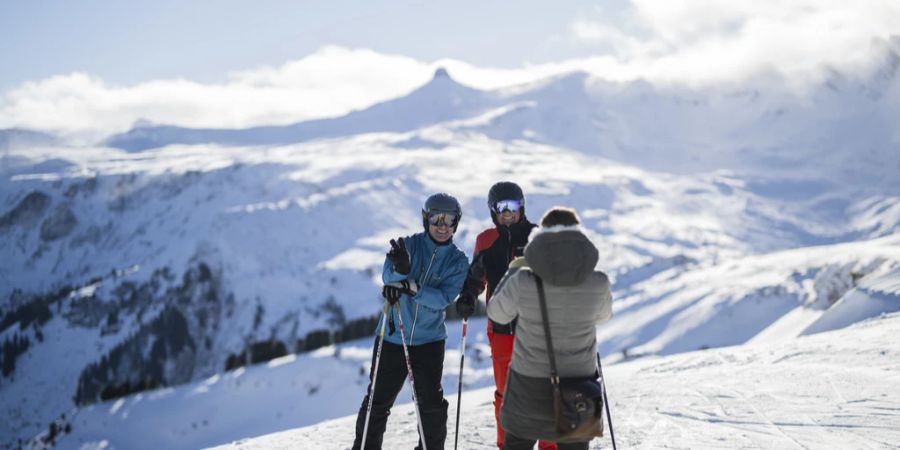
[494, 249]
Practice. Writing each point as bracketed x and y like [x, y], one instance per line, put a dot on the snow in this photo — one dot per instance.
[871, 298]
[830, 390]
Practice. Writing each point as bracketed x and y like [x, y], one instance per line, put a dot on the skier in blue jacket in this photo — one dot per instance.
[423, 274]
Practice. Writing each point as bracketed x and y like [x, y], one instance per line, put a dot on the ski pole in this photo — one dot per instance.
[462, 360]
[384, 314]
[412, 382]
[612, 434]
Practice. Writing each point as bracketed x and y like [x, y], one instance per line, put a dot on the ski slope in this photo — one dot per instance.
[834, 390]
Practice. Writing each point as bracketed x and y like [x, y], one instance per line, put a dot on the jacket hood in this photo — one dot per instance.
[561, 255]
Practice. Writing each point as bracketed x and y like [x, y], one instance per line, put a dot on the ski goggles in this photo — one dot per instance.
[507, 205]
[439, 218]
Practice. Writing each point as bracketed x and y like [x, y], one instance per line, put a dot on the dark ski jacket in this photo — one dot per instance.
[494, 249]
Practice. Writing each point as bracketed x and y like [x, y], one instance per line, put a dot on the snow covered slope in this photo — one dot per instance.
[826, 391]
[755, 298]
[239, 245]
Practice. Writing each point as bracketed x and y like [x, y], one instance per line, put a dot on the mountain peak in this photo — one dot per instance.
[441, 73]
[443, 82]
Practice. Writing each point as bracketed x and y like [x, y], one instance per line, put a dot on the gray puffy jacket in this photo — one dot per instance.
[578, 298]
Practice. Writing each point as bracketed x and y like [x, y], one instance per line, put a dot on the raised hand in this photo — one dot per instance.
[399, 257]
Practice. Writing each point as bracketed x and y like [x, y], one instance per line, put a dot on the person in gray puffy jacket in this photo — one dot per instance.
[578, 298]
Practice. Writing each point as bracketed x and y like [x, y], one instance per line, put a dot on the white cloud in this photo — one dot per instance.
[710, 41]
[594, 31]
[332, 81]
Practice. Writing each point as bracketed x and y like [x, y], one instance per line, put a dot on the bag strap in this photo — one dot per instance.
[554, 377]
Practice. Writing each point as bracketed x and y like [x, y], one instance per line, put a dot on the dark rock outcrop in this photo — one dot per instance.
[27, 212]
[58, 224]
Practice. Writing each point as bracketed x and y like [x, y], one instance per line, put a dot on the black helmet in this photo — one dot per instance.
[505, 190]
[441, 202]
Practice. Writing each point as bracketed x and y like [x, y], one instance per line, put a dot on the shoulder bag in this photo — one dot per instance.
[577, 402]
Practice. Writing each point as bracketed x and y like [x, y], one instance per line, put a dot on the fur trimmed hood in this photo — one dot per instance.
[561, 255]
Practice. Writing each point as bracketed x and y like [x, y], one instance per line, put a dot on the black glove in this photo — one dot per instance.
[409, 287]
[503, 230]
[518, 233]
[399, 257]
[391, 293]
[465, 305]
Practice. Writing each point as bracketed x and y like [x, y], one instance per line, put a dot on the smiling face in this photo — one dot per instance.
[440, 233]
[508, 211]
[441, 225]
[508, 218]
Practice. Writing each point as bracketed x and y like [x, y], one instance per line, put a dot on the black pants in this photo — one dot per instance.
[513, 442]
[428, 367]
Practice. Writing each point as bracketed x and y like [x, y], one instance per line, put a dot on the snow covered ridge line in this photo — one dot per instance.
[28, 311]
[601, 119]
[759, 299]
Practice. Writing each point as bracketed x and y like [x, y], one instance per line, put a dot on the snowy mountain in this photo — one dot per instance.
[724, 217]
[439, 100]
[16, 137]
[841, 127]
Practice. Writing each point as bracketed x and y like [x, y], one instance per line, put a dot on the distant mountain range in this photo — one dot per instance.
[440, 100]
[17, 137]
[843, 125]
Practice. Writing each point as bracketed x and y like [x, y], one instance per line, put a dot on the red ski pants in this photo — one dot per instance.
[501, 354]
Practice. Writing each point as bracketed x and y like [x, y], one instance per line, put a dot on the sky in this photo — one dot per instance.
[131, 42]
[99, 66]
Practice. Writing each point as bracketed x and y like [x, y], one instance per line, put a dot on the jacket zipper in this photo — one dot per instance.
[422, 283]
[512, 250]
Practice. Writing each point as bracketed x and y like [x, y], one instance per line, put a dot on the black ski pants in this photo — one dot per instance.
[428, 367]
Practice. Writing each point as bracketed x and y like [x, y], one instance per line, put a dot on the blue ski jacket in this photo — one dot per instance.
[440, 271]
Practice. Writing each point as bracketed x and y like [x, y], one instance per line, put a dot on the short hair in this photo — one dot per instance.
[560, 215]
